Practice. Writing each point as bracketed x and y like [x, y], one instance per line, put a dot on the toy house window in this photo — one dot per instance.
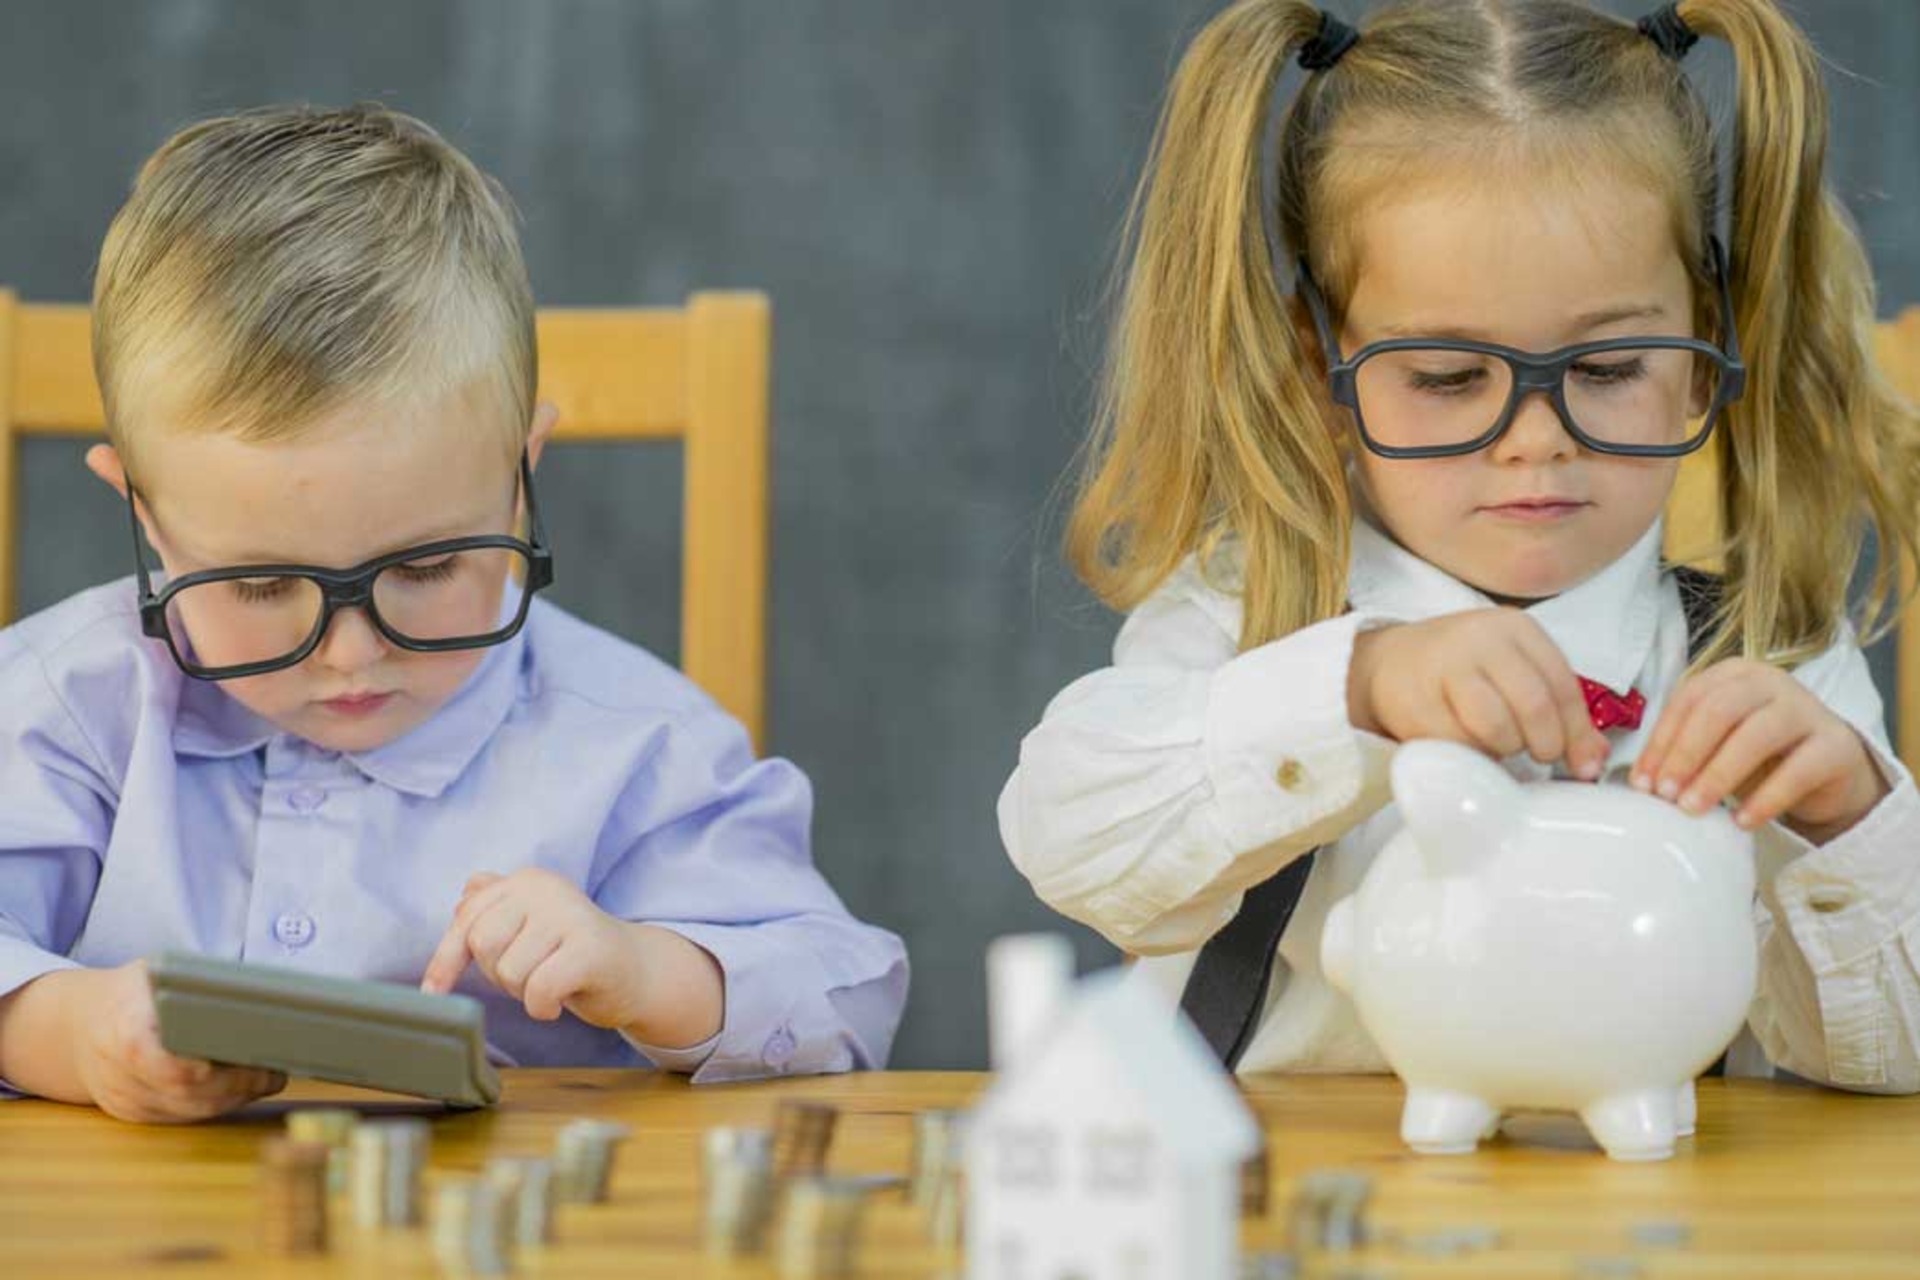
[1026, 1157]
[1119, 1162]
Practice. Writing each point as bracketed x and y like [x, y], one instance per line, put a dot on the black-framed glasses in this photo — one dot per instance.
[1439, 397]
[434, 598]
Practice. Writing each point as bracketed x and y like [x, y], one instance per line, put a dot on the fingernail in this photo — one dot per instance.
[1692, 802]
[1669, 788]
[1640, 782]
[1743, 820]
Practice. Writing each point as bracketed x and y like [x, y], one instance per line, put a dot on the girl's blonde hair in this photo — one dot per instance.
[272, 265]
[1213, 418]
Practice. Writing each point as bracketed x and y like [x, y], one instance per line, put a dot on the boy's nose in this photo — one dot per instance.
[1536, 433]
[352, 642]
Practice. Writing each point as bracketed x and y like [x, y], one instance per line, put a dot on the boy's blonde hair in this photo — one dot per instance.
[273, 265]
[1213, 418]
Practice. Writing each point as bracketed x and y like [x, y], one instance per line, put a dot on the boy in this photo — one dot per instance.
[338, 731]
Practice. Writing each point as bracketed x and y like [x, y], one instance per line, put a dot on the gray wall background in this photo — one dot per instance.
[931, 193]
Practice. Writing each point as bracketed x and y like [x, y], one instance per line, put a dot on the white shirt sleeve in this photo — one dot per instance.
[1839, 925]
[1156, 791]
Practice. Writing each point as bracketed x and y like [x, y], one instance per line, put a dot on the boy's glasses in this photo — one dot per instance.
[252, 619]
[1438, 397]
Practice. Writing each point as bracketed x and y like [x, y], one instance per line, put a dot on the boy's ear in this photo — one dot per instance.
[104, 461]
[546, 416]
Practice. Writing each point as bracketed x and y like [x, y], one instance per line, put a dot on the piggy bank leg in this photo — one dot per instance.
[1685, 1111]
[1440, 1122]
[1635, 1126]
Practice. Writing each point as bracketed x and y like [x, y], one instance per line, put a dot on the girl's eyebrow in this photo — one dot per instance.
[1581, 323]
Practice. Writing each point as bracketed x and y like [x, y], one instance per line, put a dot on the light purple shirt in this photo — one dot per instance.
[141, 810]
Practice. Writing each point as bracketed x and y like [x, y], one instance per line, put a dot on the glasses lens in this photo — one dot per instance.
[1431, 397]
[448, 597]
[236, 621]
[1648, 396]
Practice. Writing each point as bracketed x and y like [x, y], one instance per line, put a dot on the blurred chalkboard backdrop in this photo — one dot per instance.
[929, 191]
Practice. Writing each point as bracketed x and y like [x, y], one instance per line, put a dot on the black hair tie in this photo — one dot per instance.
[1668, 30]
[1329, 44]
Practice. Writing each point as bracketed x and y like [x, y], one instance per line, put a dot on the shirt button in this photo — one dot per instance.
[1828, 903]
[307, 799]
[1290, 775]
[293, 929]
[779, 1048]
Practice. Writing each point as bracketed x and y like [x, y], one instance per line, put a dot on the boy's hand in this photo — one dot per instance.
[118, 1058]
[1488, 678]
[538, 938]
[1747, 729]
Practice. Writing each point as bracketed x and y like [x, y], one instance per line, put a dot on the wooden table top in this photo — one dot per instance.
[1780, 1181]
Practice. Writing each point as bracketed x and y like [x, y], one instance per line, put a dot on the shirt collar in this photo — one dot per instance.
[423, 762]
[1604, 625]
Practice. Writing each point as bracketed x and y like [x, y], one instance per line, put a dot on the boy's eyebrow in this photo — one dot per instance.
[1581, 323]
[255, 555]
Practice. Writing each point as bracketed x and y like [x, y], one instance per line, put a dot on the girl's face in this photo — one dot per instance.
[1534, 513]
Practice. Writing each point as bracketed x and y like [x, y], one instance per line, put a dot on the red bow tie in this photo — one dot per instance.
[1608, 709]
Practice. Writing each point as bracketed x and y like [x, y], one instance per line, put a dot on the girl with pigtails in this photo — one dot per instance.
[1389, 424]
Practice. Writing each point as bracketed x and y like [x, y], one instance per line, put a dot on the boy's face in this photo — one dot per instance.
[361, 482]
[1535, 512]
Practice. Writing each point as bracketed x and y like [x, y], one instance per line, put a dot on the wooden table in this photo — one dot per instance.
[1781, 1181]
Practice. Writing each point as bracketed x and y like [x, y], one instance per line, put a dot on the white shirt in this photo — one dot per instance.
[1156, 791]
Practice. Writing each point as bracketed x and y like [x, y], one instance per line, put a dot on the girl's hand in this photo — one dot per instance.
[1489, 678]
[1747, 729]
[124, 1069]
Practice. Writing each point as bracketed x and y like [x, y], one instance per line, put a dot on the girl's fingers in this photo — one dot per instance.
[1482, 713]
[1586, 748]
[1530, 702]
[1752, 745]
[1814, 763]
[1703, 725]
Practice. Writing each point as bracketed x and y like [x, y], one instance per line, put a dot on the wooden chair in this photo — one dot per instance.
[700, 372]
[1692, 523]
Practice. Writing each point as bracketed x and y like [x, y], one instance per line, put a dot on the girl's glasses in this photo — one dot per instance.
[1436, 397]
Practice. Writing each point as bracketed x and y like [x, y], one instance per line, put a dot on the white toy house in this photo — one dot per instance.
[1110, 1147]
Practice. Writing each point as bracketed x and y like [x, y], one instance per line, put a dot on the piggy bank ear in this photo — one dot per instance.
[1456, 802]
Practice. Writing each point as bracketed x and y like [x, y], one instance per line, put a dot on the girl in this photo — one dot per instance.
[1420, 495]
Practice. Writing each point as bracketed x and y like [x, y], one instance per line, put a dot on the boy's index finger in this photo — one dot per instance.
[449, 960]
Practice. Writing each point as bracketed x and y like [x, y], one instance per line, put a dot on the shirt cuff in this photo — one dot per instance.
[778, 1018]
[686, 1061]
[1281, 751]
[1847, 898]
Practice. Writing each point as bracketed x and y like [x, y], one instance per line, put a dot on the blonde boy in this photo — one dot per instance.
[334, 728]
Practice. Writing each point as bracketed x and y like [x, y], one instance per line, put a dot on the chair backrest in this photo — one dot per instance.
[700, 372]
[1693, 522]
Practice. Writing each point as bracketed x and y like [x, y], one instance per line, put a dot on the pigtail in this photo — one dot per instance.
[1820, 446]
[1212, 418]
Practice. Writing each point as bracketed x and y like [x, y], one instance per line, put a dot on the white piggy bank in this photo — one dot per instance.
[1556, 946]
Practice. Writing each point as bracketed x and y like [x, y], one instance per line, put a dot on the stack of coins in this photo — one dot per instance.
[947, 1211]
[1330, 1210]
[1253, 1184]
[472, 1231]
[389, 1157]
[331, 1127]
[583, 1160]
[820, 1228]
[802, 1134]
[937, 1140]
[527, 1182]
[738, 1164]
[293, 1197]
